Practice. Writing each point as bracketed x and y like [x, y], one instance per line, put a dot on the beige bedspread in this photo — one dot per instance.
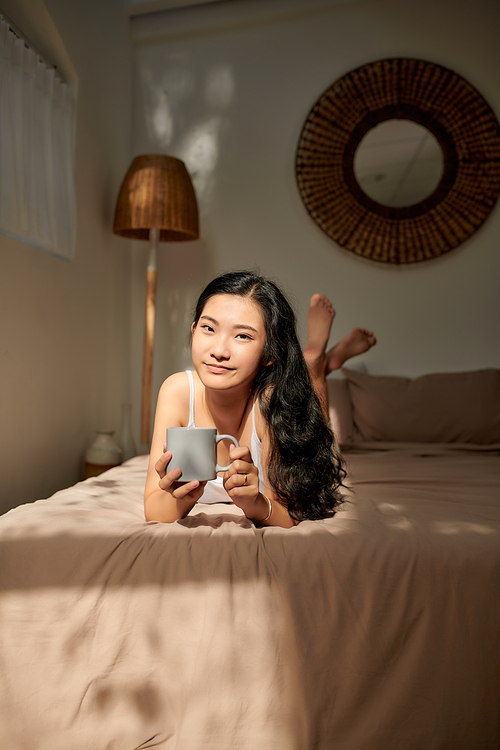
[375, 630]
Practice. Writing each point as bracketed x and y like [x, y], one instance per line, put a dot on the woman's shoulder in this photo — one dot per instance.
[175, 387]
[176, 381]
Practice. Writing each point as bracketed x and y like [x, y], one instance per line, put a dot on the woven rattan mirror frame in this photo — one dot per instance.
[400, 88]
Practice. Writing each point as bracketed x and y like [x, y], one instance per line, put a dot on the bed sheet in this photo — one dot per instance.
[377, 629]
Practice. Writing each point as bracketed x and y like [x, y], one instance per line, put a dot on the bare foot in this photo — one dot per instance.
[356, 342]
[319, 321]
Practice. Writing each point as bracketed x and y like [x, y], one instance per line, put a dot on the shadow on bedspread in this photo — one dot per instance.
[377, 629]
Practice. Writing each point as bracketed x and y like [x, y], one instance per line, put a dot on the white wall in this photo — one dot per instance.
[227, 87]
[65, 347]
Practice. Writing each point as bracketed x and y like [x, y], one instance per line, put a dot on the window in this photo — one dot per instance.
[37, 191]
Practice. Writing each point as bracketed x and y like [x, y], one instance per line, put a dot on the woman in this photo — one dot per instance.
[252, 381]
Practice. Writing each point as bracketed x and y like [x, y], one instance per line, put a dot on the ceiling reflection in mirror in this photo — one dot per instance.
[398, 163]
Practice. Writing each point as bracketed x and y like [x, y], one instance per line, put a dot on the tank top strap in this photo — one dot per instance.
[191, 398]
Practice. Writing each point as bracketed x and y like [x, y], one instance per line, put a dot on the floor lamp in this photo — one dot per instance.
[156, 202]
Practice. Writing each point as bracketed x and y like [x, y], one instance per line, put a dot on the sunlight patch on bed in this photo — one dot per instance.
[461, 527]
[396, 518]
[401, 523]
[390, 509]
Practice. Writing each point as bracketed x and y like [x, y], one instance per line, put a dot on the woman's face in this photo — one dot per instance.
[228, 342]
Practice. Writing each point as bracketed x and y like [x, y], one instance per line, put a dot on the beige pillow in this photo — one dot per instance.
[340, 409]
[452, 407]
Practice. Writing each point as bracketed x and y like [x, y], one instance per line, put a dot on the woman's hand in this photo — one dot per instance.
[241, 482]
[187, 492]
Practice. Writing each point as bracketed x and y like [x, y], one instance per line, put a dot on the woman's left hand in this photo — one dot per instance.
[241, 480]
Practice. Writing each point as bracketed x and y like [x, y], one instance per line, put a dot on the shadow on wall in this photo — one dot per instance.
[183, 271]
[185, 113]
[202, 97]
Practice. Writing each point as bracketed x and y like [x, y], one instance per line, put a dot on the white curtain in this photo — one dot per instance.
[37, 190]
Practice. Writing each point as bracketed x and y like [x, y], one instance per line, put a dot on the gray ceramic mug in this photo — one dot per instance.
[194, 452]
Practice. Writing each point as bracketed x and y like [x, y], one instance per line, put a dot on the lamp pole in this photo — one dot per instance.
[156, 202]
[149, 336]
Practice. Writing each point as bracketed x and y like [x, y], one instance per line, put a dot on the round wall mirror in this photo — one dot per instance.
[398, 163]
[455, 133]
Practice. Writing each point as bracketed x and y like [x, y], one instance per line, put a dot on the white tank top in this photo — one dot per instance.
[214, 489]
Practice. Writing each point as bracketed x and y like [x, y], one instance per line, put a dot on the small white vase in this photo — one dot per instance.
[103, 454]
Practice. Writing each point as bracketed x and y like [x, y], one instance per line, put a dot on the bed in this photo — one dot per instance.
[375, 630]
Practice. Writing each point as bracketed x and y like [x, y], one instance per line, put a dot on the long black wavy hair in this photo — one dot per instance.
[305, 469]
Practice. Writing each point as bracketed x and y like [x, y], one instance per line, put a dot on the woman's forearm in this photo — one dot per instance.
[164, 507]
[267, 512]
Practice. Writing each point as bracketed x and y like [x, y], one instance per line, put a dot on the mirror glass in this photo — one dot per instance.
[398, 163]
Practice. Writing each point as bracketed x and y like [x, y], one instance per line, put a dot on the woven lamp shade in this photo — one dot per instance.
[157, 192]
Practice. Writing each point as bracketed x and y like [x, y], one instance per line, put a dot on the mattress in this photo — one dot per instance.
[376, 629]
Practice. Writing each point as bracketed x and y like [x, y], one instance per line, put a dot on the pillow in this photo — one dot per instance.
[340, 409]
[440, 408]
